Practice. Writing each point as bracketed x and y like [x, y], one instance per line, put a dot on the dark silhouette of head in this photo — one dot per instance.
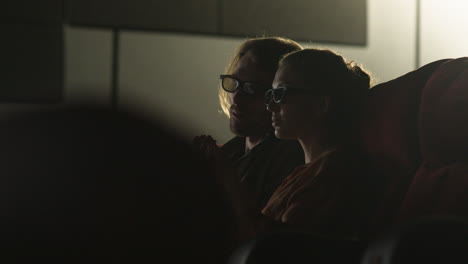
[91, 185]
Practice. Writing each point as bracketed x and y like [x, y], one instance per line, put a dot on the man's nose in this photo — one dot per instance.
[272, 106]
[238, 96]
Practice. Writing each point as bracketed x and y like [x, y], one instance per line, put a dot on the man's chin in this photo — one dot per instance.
[239, 131]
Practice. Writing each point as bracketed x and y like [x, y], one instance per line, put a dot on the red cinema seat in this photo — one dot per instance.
[390, 135]
[440, 186]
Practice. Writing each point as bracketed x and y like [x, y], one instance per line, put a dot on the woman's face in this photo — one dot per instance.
[298, 113]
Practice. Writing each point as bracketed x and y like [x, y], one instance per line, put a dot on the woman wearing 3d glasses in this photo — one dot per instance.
[317, 99]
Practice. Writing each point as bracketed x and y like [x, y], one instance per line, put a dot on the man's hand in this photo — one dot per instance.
[207, 146]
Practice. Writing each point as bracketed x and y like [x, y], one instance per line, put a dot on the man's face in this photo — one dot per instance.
[248, 114]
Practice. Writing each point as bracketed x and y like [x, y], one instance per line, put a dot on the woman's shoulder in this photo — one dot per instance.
[346, 156]
[345, 163]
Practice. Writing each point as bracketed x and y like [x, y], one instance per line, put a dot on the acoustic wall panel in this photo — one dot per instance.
[335, 21]
[31, 68]
[198, 16]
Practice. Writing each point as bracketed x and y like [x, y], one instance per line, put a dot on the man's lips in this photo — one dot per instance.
[275, 121]
[236, 114]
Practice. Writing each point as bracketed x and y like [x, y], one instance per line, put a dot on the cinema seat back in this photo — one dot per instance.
[390, 136]
[440, 186]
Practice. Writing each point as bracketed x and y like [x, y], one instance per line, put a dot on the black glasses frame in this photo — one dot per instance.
[277, 95]
[249, 90]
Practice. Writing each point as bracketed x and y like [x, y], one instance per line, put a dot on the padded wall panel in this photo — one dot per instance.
[32, 63]
[176, 15]
[338, 21]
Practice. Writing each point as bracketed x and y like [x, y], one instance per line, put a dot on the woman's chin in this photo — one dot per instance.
[285, 134]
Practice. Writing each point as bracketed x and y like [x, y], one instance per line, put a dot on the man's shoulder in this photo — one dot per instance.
[234, 146]
[281, 145]
[271, 148]
[234, 142]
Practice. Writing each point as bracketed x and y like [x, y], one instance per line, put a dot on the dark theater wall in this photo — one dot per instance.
[195, 16]
[332, 21]
[43, 11]
[31, 51]
[32, 63]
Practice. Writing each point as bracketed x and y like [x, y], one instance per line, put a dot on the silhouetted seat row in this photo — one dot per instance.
[436, 240]
[93, 185]
[297, 247]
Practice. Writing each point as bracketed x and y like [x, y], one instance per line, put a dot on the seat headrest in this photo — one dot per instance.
[444, 114]
[390, 128]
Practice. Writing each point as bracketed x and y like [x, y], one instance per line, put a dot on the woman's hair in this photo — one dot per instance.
[344, 83]
[265, 51]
